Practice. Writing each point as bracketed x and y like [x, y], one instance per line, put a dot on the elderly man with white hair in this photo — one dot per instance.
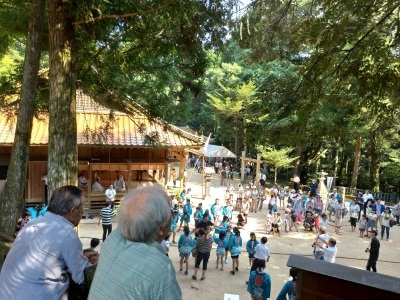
[133, 264]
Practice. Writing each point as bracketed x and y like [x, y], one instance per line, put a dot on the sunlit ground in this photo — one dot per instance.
[350, 251]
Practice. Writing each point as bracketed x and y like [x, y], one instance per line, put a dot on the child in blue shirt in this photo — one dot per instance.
[187, 212]
[227, 237]
[221, 245]
[201, 211]
[185, 247]
[174, 222]
[228, 210]
[259, 285]
[289, 288]
[250, 248]
[196, 216]
[235, 247]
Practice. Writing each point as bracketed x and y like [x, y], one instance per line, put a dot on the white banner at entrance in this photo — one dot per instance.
[329, 181]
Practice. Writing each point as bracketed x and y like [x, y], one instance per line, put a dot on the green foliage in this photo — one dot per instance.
[277, 158]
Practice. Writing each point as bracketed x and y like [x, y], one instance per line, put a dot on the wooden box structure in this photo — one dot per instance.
[320, 280]
[110, 143]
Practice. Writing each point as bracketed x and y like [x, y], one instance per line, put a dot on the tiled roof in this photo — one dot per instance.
[98, 125]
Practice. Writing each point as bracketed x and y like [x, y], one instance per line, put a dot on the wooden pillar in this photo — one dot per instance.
[167, 173]
[89, 187]
[181, 172]
[129, 175]
[242, 166]
[258, 170]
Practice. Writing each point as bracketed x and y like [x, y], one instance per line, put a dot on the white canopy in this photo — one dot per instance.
[218, 151]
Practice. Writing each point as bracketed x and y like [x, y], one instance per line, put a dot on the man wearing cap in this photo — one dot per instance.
[321, 239]
[313, 188]
[373, 250]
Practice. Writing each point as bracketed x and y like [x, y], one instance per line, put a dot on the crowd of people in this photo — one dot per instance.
[149, 219]
[302, 210]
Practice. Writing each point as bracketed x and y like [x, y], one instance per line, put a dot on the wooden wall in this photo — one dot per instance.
[35, 187]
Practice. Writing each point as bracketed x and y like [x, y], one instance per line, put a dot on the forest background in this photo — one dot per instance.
[312, 81]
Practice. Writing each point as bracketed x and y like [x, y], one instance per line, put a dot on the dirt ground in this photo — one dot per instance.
[350, 251]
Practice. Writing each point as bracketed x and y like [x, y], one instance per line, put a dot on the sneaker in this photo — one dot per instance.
[222, 269]
[194, 277]
[203, 278]
[226, 261]
[249, 267]
[173, 242]
[180, 270]
[232, 272]
[186, 273]
[237, 269]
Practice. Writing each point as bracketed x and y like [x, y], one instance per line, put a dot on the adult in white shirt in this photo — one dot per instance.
[320, 240]
[110, 195]
[330, 251]
[366, 197]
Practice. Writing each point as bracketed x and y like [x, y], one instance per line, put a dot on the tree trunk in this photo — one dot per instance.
[336, 162]
[12, 199]
[297, 161]
[63, 151]
[357, 153]
[374, 172]
[275, 175]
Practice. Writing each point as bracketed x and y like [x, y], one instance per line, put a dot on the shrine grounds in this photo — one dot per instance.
[351, 250]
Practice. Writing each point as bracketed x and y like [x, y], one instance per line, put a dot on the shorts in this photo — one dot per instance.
[361, 229]
[251, 255]
[234, 256]
[184, 255]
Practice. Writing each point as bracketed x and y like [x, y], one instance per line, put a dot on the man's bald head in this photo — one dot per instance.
[143, 212]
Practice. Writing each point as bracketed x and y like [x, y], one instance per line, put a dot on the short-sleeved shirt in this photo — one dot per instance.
[106, 214]
[134, 270]
[40, 257]
[262, 251]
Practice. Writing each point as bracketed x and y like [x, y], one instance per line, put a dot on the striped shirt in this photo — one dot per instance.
[106, 214]
[204, 245]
